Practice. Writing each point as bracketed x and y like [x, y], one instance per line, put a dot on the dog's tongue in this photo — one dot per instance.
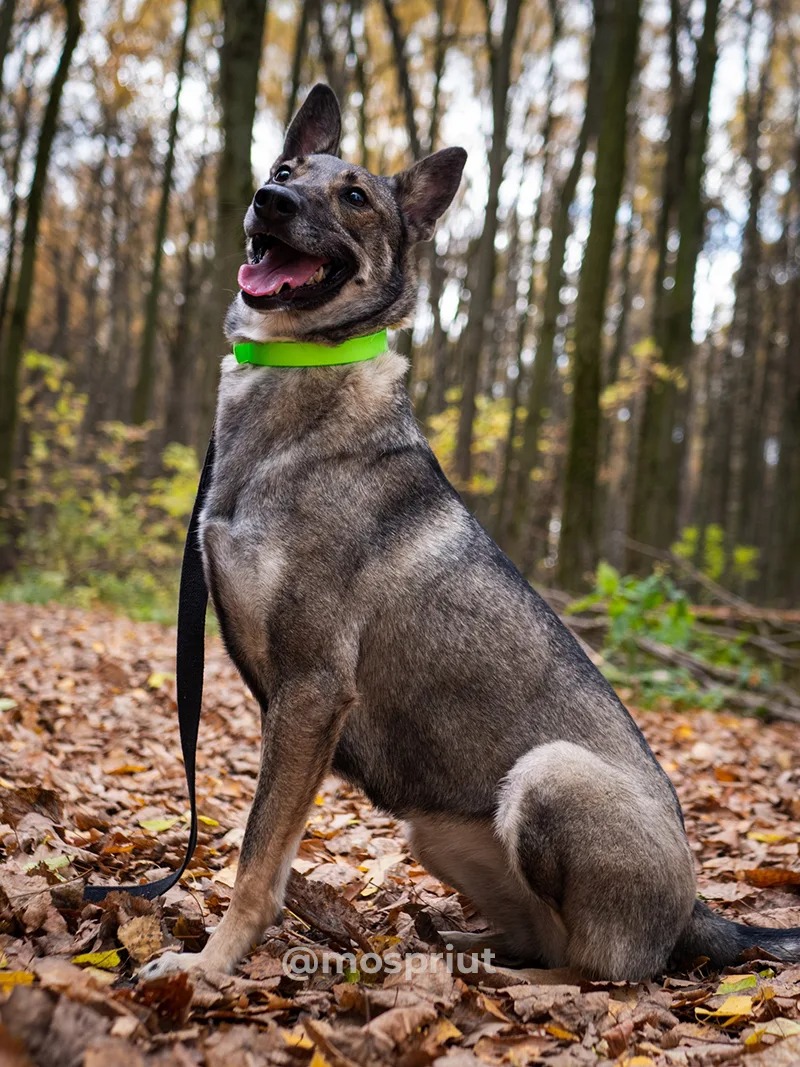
[280, 265]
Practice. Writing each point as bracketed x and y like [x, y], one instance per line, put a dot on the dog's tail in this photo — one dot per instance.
[723, 941]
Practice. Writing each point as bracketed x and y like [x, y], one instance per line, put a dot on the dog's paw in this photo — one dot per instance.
[169, 963]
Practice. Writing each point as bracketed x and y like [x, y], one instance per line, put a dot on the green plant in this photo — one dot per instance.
[95, 532]
[649, 616]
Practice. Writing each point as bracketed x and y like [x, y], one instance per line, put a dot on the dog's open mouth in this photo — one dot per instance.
[280, 274]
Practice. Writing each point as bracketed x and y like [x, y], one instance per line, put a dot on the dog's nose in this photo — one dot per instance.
[275, 205]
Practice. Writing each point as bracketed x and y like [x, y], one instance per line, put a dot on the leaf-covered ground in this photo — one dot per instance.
[91, 785]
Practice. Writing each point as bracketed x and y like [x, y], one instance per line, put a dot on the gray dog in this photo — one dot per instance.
[386, 636]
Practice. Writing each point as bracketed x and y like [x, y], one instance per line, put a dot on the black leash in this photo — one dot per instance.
[192, 603]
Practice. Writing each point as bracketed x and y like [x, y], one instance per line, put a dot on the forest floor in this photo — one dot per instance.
[91, 783]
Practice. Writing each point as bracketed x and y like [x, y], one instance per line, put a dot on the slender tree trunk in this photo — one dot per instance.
[783, 573]
[523, 322]
[611, 509]
[300, 45]
[403, 76]
[578, 542]
[12, 352]
[335, 69]
[432, 400]
[661, 448]
[144, 384]
[480, 306]
[404, 339]
[13, 206]
[672, 176]
[240, 59]
[7, 10]
[545, 343]
[179, 420]
[363, 90]
[748, 316]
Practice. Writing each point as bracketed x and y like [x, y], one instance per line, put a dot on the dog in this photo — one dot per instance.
[388, 639]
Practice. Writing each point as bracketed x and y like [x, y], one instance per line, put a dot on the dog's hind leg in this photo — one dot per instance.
[299, 734]
[469, 855]
[606, 847]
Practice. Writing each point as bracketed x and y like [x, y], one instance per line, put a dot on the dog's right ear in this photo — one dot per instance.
[425, 191]
[316, 129]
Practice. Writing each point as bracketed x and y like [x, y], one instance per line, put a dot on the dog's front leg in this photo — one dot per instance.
[299, 735]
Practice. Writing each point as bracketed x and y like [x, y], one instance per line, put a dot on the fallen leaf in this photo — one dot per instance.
[774, 1028]
[141, 936]
[732, 1009]
[104, 960]
[764, 877]
[158, 678]
[776, 837]
[12, 978]
[377, 869]
[560, 1033]
[158, 826]
[736, 984]
[227, 876]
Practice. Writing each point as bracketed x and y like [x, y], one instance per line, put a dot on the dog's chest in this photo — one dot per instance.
[245, 559]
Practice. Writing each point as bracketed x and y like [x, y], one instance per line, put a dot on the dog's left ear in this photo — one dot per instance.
[425, 191]
[316, 129]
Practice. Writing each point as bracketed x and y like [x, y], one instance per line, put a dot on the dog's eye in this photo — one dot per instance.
[355, 196]
[282, 174]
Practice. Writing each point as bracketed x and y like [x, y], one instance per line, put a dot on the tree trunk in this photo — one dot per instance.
[545, 344]
[748, 317]
[335, 70]
[300, 45]
[432, 400]
[523, 324]
[144, 383]
[20, 140]
[783, 573]
[240, 58]
[12, 353]
[480, 306]
[6, 22]
[661, 448]
[180, 409]
[578, 542]
[403, 76]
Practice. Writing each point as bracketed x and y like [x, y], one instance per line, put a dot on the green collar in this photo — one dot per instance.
[305, 354]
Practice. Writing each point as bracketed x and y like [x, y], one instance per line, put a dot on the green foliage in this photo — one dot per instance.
[652, 607]
[707, 550]
[95, 532]
[491, 429]
[655, 609]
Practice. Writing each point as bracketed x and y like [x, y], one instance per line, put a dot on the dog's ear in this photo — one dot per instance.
[424, 191]
[316, 128]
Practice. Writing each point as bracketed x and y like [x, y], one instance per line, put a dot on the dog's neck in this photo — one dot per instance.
[331, 408]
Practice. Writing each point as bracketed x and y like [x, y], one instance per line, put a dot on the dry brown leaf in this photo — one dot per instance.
[142, 937]
[769, 876]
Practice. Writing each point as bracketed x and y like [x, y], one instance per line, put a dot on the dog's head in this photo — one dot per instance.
[329, 245]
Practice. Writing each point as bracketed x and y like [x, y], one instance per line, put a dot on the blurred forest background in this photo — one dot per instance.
[606, 353]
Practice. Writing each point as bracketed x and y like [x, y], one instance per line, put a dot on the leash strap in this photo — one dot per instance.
[192, 603]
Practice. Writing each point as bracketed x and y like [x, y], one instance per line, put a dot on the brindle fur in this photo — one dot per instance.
[387, 638]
